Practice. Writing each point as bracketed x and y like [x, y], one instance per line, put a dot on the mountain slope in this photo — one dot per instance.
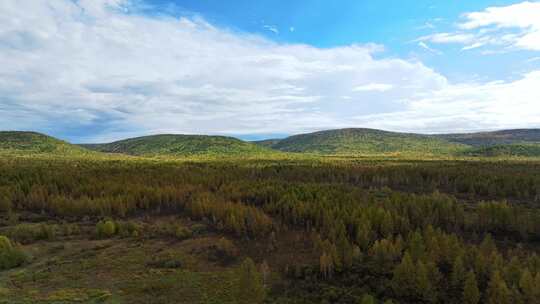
[521, 150]
[181, 145]
[502, 137]
[36, 143]
[365, 141]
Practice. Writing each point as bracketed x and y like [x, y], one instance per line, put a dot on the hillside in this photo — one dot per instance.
[268, 143]
[181, 145]
[521, 150]
[36, 143]
[365, 141]
[503, 137]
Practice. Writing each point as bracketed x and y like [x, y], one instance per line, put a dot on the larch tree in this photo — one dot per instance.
[471, 293]
[250, 285]
[497, 291]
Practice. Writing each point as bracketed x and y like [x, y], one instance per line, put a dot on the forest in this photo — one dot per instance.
[313, 230]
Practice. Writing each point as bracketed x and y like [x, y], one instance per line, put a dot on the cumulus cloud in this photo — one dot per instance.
[467, 107]
[98, 70]
[515, 26]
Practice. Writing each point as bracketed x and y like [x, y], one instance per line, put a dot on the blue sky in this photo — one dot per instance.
[393, 24]
[100, 70]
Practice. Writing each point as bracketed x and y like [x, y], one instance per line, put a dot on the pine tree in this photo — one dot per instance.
[417, 248]
[487, 247]
[471, 294]
[423, 285]
[513, 272]
[497, 291]
[458, 275]
[250, 285]
[403, 281]
[526, 284]
[363, 235]
[537, 286]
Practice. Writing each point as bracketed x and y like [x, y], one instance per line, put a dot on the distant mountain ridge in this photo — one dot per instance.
[350, 141]
[180, 145]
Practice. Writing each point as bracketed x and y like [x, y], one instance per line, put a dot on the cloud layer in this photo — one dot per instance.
[512, 27]
[97, 70]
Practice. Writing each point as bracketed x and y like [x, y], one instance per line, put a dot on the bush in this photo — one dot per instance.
[224, 250]
[106, 229]
[182, 233]
[128, 229]
[167, 260]
[10, 255]
[28, 233]
[199, 229]
[170, 229]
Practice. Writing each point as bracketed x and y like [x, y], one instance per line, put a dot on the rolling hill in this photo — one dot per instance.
[503, 137]
[36, 143]
[520, 150]
[364, 141]
[181, 145]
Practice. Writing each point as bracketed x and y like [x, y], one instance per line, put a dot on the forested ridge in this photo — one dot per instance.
[400, 231]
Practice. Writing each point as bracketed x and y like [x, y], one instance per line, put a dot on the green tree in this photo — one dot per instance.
[458, 275]
[367, 299]
[403, 281]
[471, 293]
[424, 288]
[417, 247]
[250, 285]
[497, 291]
[526, 285]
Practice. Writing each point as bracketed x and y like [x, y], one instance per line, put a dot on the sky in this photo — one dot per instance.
[103, 70]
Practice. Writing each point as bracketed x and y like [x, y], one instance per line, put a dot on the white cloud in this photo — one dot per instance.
[467, 107]
[379, 87]
[448, 38]
[425, 46]
[291, 29]
[516, 26]
[272, 28]
[87, 70]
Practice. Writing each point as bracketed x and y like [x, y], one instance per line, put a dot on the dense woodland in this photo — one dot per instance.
[386, 231]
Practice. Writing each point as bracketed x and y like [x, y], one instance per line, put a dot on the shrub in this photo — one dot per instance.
[28, 233]
[199, 229]
[127, 229]
[167, 260]
[10, 255]
[224, 250]
[182, 233]
[106, 228]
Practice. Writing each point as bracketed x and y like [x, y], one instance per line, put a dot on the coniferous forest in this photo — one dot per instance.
[268, 230]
